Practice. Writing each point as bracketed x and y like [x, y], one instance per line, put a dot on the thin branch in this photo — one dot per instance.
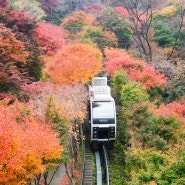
[53, 175]
[178, 33]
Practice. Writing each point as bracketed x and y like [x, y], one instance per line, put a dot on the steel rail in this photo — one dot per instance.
[106, 162]
[98, 169]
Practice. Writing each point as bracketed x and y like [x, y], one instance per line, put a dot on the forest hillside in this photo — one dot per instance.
[49, 52]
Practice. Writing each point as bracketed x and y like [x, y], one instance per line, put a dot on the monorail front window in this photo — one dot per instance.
[103, 112]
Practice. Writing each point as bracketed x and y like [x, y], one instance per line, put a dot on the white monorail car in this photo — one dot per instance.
[102, 114]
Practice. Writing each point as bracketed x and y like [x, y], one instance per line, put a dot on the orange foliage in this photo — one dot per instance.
[152, 183]
[12, 52]
[75, 63]
[115, 52]
[11, 49]
[27, 147]
[137, 70]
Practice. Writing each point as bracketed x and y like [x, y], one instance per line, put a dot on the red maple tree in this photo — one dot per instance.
[50, 37]
[137, 70]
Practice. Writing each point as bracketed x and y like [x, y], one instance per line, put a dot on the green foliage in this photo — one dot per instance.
[127, 95]
[92, 35]
[124, 35]
[160, 133]
[31, 7]
[144, 166]
[34, 69]
[165, 27]
[110, 20]
[174, 89]
[138, 166]
[75, 23]
[119, 79]
[132, 93]
[175, 172]
[156, 95]
[60, 125]
[164, 35]
[56, 17]
[151, 131]
[117, 164]
[123, 135]
[101, 38]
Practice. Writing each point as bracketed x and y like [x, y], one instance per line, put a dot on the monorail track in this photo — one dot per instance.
[87, 171]
[102, 167]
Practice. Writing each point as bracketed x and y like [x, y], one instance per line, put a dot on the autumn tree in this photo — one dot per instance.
[111, 20]
[94, 8]
[74, 63]
[4, 6]
[40, 93]
[31, 7]
[165, 27]
[28, 146]
[75, 23]
[174, 109]
[174, 89]
[179, 33]
[96, 35]
[140, 18]
[23, 27]
[137, 70]
[65, 107]
[50, 38]
[49, 6]
[13, 54]
[20, 23]
[148, 129]
[55, 10]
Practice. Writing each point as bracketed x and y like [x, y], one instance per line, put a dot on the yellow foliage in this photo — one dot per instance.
[167, 12]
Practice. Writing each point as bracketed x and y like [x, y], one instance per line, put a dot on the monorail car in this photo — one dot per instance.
[102, 114]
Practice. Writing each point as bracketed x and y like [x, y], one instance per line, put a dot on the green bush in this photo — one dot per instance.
[164, 35]
[132, 93]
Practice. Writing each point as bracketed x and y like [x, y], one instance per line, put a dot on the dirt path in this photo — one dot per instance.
[59, 175]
